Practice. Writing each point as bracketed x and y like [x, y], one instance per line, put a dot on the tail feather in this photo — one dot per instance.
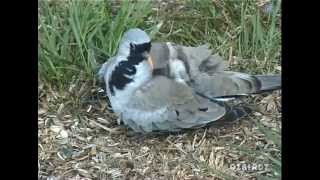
[269, 82]
[229, 85]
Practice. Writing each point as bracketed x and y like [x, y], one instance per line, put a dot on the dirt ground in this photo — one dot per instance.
[79, 138]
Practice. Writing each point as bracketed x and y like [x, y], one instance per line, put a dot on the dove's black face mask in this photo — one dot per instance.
[121, 75]
[140, 48]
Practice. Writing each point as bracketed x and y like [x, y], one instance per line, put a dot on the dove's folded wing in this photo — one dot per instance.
[165, 105]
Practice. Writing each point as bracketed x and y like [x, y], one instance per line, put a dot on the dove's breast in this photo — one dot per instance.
[146, 121]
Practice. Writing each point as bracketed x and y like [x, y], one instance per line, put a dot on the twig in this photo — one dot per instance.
[111, 130]
[177, 147]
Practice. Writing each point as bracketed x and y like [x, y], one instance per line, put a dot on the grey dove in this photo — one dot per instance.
[147, 101]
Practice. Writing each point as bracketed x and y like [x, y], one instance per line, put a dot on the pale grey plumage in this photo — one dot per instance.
[165, 105]
[157, 103]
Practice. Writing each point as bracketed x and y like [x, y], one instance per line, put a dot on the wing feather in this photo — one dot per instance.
[166, 105]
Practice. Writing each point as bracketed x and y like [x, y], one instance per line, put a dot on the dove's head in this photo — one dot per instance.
[134, 36]
[134, 65]
[135, 42]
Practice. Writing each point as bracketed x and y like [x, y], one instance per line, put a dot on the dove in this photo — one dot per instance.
[148, 102]
[208, 74]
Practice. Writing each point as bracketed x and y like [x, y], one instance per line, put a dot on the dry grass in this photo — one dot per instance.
[83, 141]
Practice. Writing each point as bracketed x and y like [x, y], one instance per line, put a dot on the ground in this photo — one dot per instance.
[78, 135]
[90, 145]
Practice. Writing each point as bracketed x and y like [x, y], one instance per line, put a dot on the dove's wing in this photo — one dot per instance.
[165, 105]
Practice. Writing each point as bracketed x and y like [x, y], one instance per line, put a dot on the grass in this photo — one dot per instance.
[70, 33]
[76, 37]
[74, 33]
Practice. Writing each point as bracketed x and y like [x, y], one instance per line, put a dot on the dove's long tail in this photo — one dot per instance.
[226, 85]
[269, 82]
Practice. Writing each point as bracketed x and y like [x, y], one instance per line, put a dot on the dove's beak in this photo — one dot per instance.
[150, 61]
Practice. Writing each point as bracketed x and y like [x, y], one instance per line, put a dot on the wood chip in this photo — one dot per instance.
[111, 130]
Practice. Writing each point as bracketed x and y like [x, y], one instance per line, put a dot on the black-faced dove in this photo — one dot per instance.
[147, 101]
